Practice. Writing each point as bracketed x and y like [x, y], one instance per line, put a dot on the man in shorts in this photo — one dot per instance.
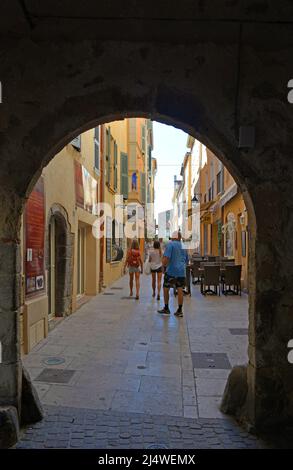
[174, 259]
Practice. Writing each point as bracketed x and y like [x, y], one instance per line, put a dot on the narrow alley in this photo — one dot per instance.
[118, 374]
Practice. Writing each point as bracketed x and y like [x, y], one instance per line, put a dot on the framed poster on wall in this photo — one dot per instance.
[34, 223]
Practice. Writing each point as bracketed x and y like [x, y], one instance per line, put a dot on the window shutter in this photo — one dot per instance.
[124, 174]
[222, 180]
[115, 167]
[142, 186]
[150, 159]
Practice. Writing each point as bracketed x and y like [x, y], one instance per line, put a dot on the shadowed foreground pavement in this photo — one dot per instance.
[116, 374]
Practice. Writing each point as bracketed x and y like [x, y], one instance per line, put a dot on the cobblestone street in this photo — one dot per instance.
[117, 374]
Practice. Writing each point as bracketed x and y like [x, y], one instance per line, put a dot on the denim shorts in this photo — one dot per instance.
[133, 269]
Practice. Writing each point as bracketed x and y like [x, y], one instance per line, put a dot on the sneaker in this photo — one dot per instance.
[178, 313]
[164, 311]
[158, 297]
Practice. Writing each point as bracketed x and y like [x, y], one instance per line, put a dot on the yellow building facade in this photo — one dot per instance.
[115, 195]
[65, 260]
[60, 254]
[224, 224]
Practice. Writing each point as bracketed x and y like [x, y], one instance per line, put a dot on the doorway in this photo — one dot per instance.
[52, 270]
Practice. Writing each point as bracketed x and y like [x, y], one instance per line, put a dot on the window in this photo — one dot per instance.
[97, 148]
[220, 181]
[113, 232]
[211, 192]
[114, 240]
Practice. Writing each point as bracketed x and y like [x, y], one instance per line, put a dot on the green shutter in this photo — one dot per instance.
[150, 159]
[124, 174]
[115, 167]
[142, 187]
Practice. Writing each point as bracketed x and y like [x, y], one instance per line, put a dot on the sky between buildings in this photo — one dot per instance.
[169, 150]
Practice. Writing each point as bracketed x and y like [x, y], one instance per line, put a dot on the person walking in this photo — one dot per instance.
[135, 267]
[174, 259]
[155, 260]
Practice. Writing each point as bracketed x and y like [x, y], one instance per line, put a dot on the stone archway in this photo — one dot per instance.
[64, 259]
[57, 88]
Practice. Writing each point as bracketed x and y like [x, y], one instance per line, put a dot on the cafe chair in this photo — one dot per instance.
[211, 278]
[231, 280]
[195, 272]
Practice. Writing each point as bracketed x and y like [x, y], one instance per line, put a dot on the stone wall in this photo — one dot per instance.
[207, 72]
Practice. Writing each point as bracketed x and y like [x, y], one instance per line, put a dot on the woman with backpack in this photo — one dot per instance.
[135, 267]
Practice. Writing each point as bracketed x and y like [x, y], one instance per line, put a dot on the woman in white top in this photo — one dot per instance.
[155, 260]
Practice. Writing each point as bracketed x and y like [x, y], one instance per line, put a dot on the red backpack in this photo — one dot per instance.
[134, 258]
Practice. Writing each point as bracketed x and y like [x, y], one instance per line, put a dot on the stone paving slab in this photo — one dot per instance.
[137, 363]
[65, 427]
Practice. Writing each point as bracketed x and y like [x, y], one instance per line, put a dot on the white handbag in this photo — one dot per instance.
[147, 267]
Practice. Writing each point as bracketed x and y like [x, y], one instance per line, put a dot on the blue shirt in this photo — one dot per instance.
[178, 259]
